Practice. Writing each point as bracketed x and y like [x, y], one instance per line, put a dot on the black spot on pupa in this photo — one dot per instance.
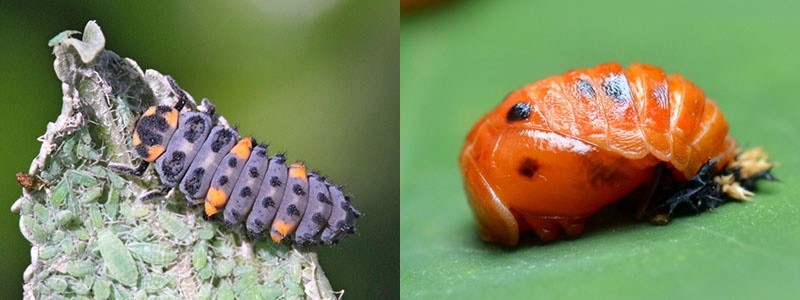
[528, 167]
[245, 192]
[232, 162]
[292, 210]
[267, 202]
[275, 181]
[616, 86]
[519, 112]
[197, 126]
[253, 172]
[222, 180]
[585, 88]
[298, 190]
[192, 184]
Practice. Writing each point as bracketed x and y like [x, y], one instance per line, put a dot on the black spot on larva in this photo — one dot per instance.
[173, 165]
[141, 150]
[345, 205]
[292, 210]
[340, 225]
[585, 88]
[319, 219]
[298, 190]
[192, 184]
[235, 214]
[321, 197]
[232, 162]
[259, 224]
[222, 180]
[162, 109]
[151, 129]
[519, 112]
[253, 172]
[197, 126]
[528, 167]
[616, 86]
[245, 192]
[261, 153]
[280, 158]
[267, 202]
[220, 139]
[275, 181]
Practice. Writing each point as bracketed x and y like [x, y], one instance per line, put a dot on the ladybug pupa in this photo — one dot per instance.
[234, 176]
[556, 151]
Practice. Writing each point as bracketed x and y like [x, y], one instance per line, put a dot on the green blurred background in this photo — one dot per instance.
[332, 64]
[460, 59]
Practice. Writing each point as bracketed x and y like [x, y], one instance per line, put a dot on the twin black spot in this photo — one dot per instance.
[173, 166]
[519, 112]
[192, 185]
[223, 137]
[197, 126]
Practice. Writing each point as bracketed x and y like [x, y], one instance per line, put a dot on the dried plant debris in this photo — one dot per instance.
[709, 189]
[91, 238]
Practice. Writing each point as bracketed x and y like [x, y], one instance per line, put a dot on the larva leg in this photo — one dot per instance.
[163, 191]
[182, 97]
[130, 170]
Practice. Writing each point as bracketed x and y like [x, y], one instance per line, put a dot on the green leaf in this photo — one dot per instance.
[459, 61]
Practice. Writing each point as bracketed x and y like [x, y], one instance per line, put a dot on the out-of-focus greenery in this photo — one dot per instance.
[459, 60]
[318, 79]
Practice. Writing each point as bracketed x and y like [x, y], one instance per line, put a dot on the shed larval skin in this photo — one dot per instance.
[588, 138]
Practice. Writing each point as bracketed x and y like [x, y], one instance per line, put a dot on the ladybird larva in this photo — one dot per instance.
[211, 164]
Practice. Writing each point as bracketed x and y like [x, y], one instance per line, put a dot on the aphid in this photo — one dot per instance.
[557, 150]
[211, 164]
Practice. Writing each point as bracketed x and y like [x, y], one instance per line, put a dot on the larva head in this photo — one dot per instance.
[153, 131]
[517, 169]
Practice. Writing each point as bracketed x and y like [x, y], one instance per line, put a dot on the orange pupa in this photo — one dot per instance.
[556, 151]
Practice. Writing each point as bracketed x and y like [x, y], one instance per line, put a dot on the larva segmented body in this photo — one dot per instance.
[211, 164]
